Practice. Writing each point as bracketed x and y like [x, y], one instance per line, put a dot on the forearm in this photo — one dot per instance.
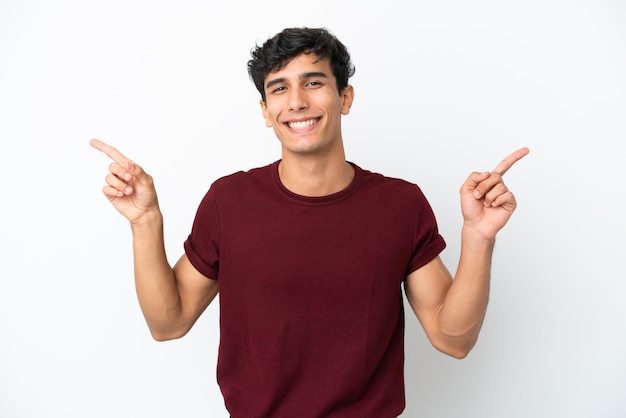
[462, 313]
[155, 281]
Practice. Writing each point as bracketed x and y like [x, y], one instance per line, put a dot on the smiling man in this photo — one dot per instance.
[304, 104]
[309, 254]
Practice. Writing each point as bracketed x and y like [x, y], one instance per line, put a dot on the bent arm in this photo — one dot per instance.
[171, 299]
[452, 311]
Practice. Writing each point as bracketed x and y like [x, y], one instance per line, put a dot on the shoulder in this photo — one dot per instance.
[242, 177]
[241, 181]
[391, 187]
[242, 187]
[397, 195]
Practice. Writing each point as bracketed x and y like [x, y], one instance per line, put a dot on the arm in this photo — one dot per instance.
[171, 299]
[452, 311]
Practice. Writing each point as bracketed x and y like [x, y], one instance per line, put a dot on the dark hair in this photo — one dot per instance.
[277, 51]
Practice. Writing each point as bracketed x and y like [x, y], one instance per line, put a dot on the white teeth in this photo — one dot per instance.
[301, 124]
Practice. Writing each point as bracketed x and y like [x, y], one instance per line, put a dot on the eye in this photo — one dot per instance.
[279, 89]
[314, 84]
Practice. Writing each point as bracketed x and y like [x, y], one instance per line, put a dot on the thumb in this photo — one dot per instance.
[137, 173]
[473, 181]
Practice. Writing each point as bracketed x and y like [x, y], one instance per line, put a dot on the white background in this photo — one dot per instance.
[442, 88]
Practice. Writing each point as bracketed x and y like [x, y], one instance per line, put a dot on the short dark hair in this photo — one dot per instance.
[277, 51]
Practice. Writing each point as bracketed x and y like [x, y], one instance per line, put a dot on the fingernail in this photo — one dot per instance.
[477, 194]
[128, 190]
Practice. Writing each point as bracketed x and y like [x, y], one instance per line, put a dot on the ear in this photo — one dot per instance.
[347, 97]
[268, 120]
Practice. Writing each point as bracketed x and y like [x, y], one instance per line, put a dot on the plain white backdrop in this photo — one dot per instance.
[442, 88]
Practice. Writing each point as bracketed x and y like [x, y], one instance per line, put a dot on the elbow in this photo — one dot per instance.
[455, 347]
[162, 335]
[457, 343]
[459, 354]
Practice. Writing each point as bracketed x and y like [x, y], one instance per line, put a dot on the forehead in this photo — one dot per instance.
[301, 65]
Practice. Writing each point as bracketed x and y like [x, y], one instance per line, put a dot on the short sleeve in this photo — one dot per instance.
[202, 244]
[427, 242]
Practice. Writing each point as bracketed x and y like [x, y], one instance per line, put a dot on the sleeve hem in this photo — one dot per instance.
[195, 260]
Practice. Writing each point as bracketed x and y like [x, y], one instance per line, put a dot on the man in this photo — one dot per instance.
[310, 253]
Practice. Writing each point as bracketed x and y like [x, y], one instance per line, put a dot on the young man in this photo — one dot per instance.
[310, 253]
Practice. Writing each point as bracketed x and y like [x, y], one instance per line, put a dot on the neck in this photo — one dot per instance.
[314, 177]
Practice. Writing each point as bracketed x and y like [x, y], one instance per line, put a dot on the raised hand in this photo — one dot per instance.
[486, 202]
[129, 188]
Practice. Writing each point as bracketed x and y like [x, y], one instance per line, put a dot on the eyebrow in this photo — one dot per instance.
[303, 76]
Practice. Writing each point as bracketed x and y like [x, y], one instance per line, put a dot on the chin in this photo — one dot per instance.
[302, 148]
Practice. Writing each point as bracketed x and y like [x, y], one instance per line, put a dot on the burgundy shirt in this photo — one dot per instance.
[311, 312]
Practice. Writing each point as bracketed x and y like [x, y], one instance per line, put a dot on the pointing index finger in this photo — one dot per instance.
[111, 152]
[508, 162]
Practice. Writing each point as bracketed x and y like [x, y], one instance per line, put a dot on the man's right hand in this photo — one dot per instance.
[129, 188]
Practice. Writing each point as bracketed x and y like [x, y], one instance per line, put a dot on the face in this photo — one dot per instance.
[304, 107]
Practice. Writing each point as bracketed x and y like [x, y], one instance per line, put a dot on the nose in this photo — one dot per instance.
[297, 100]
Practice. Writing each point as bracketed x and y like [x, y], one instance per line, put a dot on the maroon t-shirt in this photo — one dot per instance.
[311, 312]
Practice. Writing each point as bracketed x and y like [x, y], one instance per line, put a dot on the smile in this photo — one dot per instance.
[302, 124]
